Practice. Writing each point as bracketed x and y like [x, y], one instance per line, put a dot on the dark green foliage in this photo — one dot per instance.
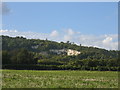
[35, 52]
[24, 57]
[5, 57]
[20, 56]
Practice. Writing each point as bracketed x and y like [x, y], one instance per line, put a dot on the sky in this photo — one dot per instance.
[86, 23]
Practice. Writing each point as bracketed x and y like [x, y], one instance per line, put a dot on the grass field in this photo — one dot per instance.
[59, 79]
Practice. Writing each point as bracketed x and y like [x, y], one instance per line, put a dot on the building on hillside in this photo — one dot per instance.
[68, 52]
[71, 52]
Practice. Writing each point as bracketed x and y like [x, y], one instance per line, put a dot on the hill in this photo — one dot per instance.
[19, 50]
[37, 45]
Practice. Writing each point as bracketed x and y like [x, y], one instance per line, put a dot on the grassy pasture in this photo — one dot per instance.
[59, 79]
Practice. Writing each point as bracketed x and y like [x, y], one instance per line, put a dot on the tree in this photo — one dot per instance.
[5, 57]
[24, 57]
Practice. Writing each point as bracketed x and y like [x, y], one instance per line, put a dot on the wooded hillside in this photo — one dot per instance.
[35, 54]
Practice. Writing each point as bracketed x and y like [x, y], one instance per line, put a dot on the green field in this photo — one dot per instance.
[59, 79]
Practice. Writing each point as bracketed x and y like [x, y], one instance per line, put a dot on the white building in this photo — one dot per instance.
[71, 52]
